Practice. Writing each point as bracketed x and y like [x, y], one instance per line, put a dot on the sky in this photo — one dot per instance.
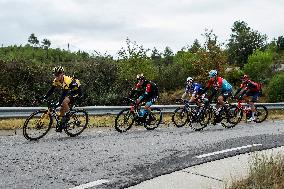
[104, 25]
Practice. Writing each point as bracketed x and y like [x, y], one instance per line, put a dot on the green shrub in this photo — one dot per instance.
[259, 66]
[276, 88]
[234, 77]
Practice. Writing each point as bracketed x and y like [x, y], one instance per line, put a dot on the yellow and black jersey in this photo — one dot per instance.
[69, 83]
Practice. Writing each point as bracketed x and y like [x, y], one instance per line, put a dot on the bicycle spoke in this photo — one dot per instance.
[77, 122]
[153, 119]
[180, 117]
[37, 125]
[124, 120]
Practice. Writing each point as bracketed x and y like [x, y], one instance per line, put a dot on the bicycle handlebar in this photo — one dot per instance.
[133, 101]
[50, 103]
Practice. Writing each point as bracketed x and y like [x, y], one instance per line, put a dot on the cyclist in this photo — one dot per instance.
[192, 89]
[220, 86]
[146, 91]
[71, 91]
[248, 89]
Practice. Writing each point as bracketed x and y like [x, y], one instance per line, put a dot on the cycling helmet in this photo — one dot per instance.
[245, 77]
[58, 70]
[212, 73]
[189, 79]
[140, 77]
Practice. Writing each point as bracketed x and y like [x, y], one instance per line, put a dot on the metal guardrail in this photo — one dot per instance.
[21, 112]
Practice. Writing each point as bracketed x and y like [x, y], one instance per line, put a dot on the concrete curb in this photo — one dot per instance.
[216, 174]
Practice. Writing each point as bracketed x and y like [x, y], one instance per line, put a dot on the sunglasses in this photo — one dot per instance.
[57, 74]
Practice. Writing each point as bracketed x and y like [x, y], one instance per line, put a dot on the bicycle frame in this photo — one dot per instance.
[135, 109]
[242, 107]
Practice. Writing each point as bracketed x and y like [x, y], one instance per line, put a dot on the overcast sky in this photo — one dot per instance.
[104, 25]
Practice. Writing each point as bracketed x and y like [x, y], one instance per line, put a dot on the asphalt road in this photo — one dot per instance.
[122, 160]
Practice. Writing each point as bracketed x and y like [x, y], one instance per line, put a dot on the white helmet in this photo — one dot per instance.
[140, 77]
[189, 79]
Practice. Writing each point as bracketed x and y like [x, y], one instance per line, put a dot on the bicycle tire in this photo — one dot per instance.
[238, 112]
[182, 114]
[261, 110]
[126, 116]
[202, 120]
[231, 119]
[153, 119]
[41, 127]
[77, 122]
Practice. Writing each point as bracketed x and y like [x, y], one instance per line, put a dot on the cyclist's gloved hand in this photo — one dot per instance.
[137, 101]
[57, 104]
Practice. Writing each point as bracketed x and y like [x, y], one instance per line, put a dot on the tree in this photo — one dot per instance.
[156, 57]
[46, 44]
[133, 60]
[195, 46]
[280, 43]
[212, 55]
[243, 42]
[33, 40]
[168, 56]
[259, 66]
[133, 50]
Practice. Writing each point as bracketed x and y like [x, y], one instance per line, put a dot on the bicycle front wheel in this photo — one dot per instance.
[77, 123]
[200, 121]
[261, 113]
[180, 117]
[37, 125]
[233, 116]
[153, 119]
[236, 112]
[124, 120]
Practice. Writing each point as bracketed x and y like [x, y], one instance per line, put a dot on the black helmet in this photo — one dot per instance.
[58, 70]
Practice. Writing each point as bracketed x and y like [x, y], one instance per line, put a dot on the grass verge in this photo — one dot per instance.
[266, 172]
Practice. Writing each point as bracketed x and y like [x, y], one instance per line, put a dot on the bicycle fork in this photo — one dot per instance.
[42, 118]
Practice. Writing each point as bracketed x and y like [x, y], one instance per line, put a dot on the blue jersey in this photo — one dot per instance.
[193, 89]
[226, 86]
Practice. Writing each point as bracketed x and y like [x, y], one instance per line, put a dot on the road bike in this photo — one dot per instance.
[226, 116]
[189, 115]
[128, 116]
[40, 122]
[260, 114]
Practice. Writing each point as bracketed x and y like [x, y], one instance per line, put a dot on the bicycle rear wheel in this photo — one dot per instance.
[124, 120]
[180, 117]
[37, 125]
[261, 113]
[153, 119]
[77, 122]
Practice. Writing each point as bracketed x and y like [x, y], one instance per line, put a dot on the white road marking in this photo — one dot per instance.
[91, 184]
[227, 150]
